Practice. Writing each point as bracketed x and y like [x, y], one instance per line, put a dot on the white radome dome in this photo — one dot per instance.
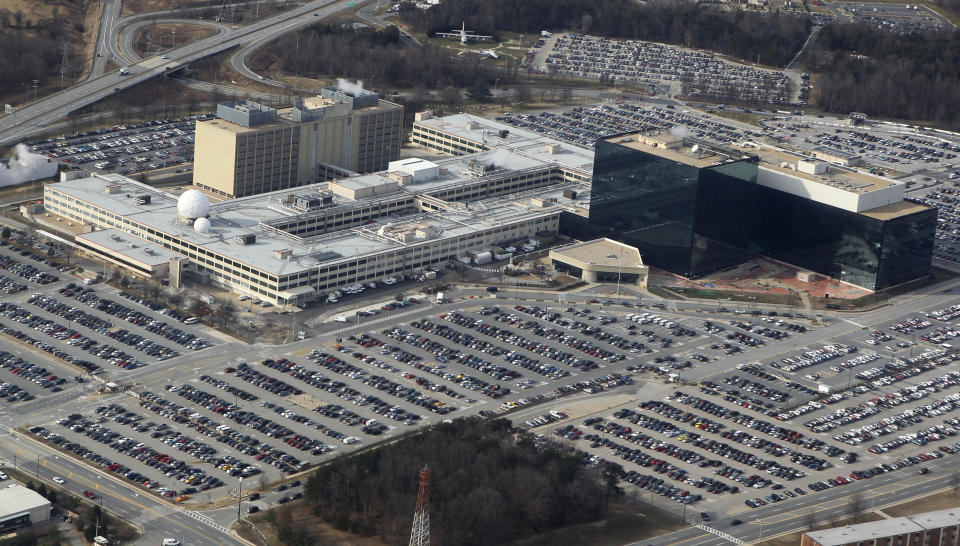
[201, 225]
[193, 204]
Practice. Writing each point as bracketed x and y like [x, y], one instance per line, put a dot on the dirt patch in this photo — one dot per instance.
[163, 37]
[131, 7]
[299, 516]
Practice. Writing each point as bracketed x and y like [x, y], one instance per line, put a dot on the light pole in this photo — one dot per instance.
[619, 269]
[239, 496]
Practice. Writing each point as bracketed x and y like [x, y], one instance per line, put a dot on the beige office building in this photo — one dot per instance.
[251, 149]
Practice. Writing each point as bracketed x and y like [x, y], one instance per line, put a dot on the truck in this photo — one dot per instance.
[440, 298]
[124, 72]
[342, 318]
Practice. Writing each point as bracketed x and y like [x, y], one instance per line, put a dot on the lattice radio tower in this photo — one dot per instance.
[420, 535]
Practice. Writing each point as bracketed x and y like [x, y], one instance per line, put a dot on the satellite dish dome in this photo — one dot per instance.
[193, 204]
[201, 225]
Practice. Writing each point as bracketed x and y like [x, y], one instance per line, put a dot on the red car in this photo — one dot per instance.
[89, 495]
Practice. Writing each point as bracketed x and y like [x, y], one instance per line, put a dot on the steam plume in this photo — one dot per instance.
[26, 166]
[354, 89]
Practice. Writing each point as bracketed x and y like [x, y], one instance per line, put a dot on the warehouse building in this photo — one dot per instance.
[938, 528]
[21, 507]
[692, 208]
[251, 149]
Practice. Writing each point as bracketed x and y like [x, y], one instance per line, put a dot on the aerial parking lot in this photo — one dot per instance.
[126, 149]
[902, 18]
[733, 411]
[648, 63]
[730, 411]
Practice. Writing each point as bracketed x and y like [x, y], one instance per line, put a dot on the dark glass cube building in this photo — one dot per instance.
[695, 210]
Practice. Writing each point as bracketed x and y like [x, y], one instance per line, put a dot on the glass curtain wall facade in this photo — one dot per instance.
[692, 221]
[664, 208]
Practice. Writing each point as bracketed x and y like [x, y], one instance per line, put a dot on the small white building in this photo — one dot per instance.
[21, 507]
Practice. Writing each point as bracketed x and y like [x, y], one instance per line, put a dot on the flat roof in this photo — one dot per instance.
[895, 210]
[864, 531]
[16, 498]
[130, 246]
[603, 252]
[363, 182]
[835, 152]
[938, 518]
[236, 128]
[773, 158]
[698, 158]
[522, 141]
[239, 217]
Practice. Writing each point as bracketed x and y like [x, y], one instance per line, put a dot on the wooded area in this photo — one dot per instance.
[32, 50]
[378, 57]
[489, 484]
[773, 38]
[864, 69]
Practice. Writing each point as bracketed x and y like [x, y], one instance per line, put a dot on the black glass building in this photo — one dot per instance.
[694, 212]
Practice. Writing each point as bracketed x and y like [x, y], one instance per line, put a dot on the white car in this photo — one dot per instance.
[59, 480]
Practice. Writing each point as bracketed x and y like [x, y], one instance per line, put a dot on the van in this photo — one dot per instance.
[190, 320]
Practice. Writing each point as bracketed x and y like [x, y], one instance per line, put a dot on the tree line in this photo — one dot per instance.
[770, 37]
[864, 69]
[378, 57]
[489, 484]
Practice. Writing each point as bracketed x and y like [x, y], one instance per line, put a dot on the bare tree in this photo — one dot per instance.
[224, 314]
[451, 95]
[200, 308]
[523, 93]
[856, 505]
[955, 481]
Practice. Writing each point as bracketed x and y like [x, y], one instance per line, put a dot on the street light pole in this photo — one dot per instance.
[239, 497]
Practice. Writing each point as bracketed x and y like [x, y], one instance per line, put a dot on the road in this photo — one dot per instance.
[34, 117]
[129, 33]
[105, 38]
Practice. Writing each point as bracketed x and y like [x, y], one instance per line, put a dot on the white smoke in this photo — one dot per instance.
[348, 86]
[680, 131]
[26, 166]
[499, 158]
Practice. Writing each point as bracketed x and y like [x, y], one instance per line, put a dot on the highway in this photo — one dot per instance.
[105, 38]
[32, 118]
